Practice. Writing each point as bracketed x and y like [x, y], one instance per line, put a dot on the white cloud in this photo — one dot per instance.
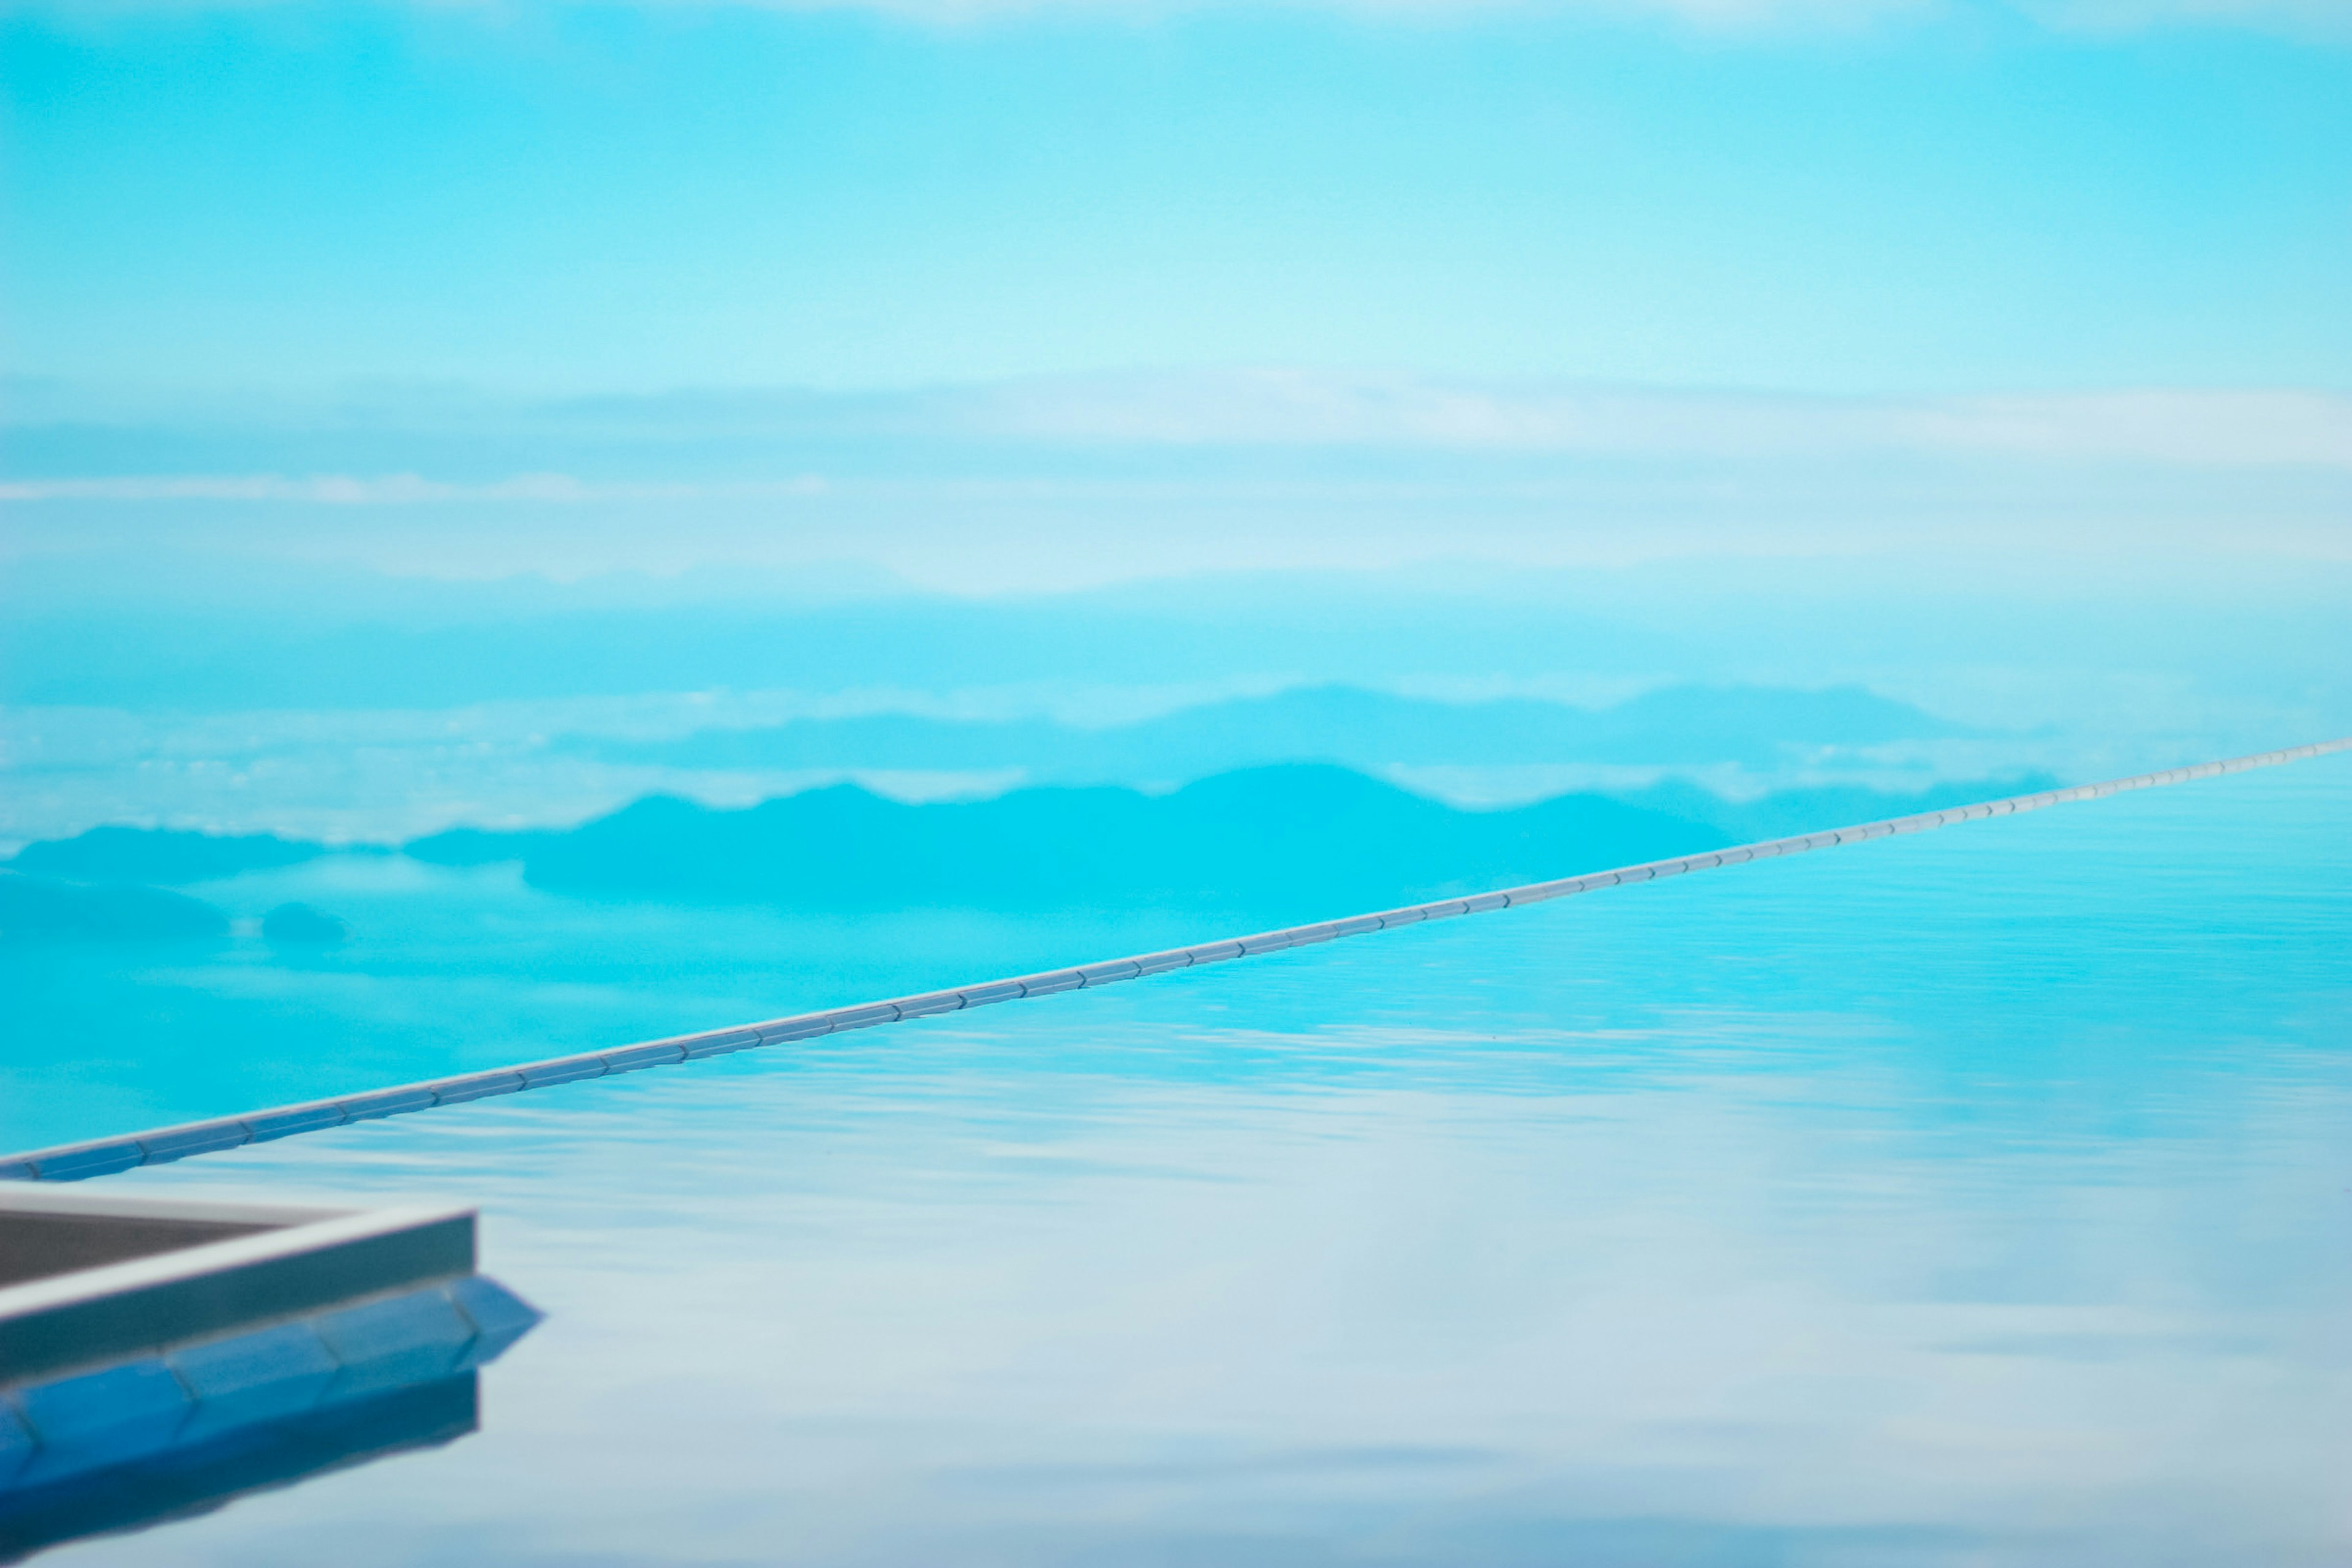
[1274, 407]
[1306, 413]
[2310, 19]
[389, 489]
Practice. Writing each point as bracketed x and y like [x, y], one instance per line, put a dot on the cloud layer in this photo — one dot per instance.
[968, 432]
[2306, 18]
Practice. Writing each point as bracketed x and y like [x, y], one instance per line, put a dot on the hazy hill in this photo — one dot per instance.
[37, 909]
[1341, 724]
[159, 855]
[1286, 842]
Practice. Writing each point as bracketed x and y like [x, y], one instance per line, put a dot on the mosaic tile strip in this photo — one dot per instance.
[53, 1430]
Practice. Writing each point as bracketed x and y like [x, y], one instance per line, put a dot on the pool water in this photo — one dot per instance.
[453, 969]
[1981, 1196]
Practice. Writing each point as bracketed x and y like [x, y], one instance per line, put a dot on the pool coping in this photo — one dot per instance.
[103, 1156]
[307, 1259]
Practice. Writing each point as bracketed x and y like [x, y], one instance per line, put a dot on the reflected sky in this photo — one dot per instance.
[1978, 1197]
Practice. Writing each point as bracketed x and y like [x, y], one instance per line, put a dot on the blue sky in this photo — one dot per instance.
[1995, 356]
[1844, 198]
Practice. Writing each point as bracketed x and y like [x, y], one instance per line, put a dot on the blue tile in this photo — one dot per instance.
[16, 1442]
[85, 1160]
[265, 1376]
[404, 1339]
[499, 1316]
[101, 1418]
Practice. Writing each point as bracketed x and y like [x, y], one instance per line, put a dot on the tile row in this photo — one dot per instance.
[184, 1395]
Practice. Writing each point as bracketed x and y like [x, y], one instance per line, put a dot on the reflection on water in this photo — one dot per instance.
[455, 970]
[191, 1426]
[202, 1477]
[1971, 1198]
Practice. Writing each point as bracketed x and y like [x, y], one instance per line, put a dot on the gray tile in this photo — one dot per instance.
[197, 1138]
[477, 1086]
[929, 1004]
[632, 1058]
[383, 1102]
[564, 1069]
[719, 1042]
[1049, 985]
[864, 1017]
[83, 1160]
[284, 1123]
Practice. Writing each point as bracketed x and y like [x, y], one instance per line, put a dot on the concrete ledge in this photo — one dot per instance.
[156, 1355]
[93, 1279]
[76, 1162]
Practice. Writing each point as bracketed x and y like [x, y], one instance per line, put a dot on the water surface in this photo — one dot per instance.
[1976, 1197]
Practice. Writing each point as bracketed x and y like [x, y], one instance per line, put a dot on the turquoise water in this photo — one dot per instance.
[450, 970]
[1976, 1197]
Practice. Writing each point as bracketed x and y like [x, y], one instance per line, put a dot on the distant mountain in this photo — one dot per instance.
[39, 908]
[1678, 725]
[476, 845]
[1287, 840]
[159, 855]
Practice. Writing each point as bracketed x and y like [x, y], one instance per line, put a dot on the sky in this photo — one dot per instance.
[2039, 297]
[1852, 197]
[435, 378]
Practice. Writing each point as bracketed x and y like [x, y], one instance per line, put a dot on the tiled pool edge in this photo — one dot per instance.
[74, 1162]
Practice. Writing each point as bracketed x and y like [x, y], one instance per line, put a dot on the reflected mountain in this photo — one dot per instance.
[43, 909]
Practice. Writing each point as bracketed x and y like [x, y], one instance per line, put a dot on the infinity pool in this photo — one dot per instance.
[1982, 1197]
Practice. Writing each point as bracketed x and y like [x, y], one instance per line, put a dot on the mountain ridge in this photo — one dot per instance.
[1349, 725]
